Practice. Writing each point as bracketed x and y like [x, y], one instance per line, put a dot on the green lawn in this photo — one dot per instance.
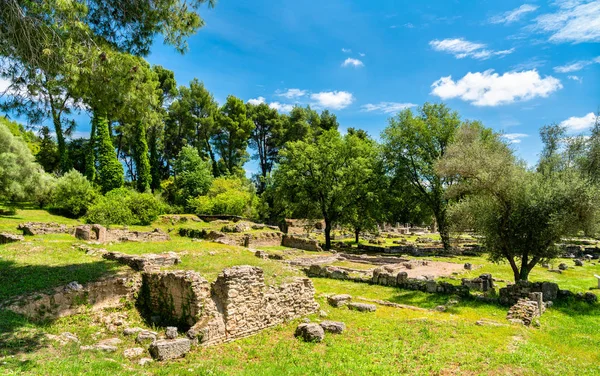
[388, 342]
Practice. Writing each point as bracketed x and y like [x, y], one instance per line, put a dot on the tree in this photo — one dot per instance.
[232, 136]
[110, 170]
[193, 175]
[323, 178]
[521, 214]
[48, 156]
[227, 195]
[413, 144]
[551, 158]
[20, 175]
[73, 194]
[266, 139]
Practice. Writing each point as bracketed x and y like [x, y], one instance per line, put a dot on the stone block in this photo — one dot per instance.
[335, 327]
[339, 300]
[169, 348]
[310, 332]
[362, 307]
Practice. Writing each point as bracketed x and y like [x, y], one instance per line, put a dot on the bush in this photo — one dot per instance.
[231, 196]
[123, 206]
[73, 194]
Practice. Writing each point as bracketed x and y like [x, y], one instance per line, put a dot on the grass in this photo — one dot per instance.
[388, 341]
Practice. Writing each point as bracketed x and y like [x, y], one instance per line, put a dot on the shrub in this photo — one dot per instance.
[123, 206]
[232, 196]
[73, 194]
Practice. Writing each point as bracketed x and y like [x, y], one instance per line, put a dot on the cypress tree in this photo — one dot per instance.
[140, 157]
[90, 159]
[110, 170]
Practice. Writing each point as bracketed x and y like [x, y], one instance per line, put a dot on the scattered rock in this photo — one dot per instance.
[104, 348]
[322, 313]
[339, 300]
[166, 349]
[74, 286]
[578, 262]
[563, 266]
[144, 361]
[440, 308]
[146, 336]
[110, 342]
[171, 332]
[132, 331]
[362, 307]
[468, 266]
[336, 327]
[133, 352]
[488, 323]
[310, 332]
[63, 338]
[6, 238]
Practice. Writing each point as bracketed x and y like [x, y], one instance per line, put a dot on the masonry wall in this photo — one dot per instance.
[236, 305]
[301, 243]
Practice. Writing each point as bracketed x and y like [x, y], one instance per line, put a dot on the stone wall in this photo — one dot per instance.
[43, 228]
[143, 262]
[482, 283]
[68, 300]
[401, 280]
[301, 243]
[510, 294]
[6, 238]
[263, 239]
[101, 234]
[237, 304]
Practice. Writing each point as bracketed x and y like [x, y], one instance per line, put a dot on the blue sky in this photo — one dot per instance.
[514, 65]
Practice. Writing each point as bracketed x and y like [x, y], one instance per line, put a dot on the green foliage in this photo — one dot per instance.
[521, 214]
[20, 175]
[325, 178]
[140, 156]
[231, 139]
[110, 170]
[413, 144]
[123, 206]
[193, 175]
[73, 194]
[227, 195]
[48, 156]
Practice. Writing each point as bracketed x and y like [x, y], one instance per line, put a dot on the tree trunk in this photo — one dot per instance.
[327, 234]
[356, 235]
[443, 230]
[63, 162]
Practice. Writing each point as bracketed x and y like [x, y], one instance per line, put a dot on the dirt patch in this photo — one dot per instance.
[425, 268]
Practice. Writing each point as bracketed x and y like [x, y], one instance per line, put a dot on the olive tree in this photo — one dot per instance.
[521, 213]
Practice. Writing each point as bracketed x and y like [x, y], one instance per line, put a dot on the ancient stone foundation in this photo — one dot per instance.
[6, 238]
[143, 262]
[483, 283]
[68, 300]
[401, 280]
[236, 305]
[510, 294]
[101, 234]
[301, 243]
[43, 228]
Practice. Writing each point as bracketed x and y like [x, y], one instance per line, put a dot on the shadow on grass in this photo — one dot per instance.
[573, 307]
[18, 335]
[18, 279]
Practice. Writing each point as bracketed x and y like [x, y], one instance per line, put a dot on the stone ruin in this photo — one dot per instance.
[483, 283]
[70, 299]
[301, 243]
[144, 262]
[101, 234]
[511, 294]
[6, 238]
[526, 310]
[258, 239]
[236, 305]
[43, 228]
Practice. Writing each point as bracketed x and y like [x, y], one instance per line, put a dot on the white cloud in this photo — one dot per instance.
[257, 101]
[387, 107]
[461, 48]
[575, 78]
[575, 21]
[362, 54]
[336, 100]
[575, 123]
[514, 138]
[576, 66]
[292, 93]
[346, 50]
[491, 89]
[281, 107]
[352, 62]
[409, 25]
[513, 15]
